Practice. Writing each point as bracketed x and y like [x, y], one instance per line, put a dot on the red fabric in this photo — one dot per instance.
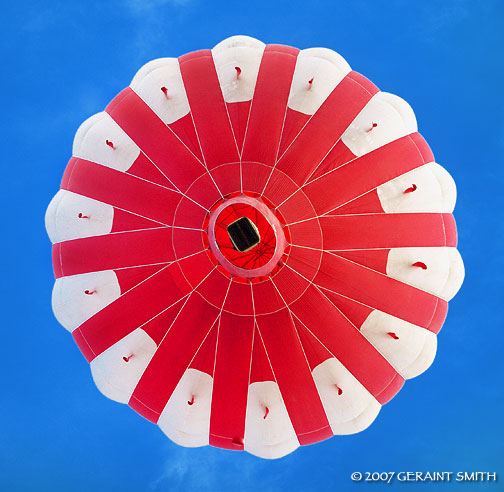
[208, 109]
[120, 318]
[184, 129]
[270, 97]
[231, 380]
[143, 168]
[293, 124]
[111, 251]
[344, 342]
[298, 389]
[121, 190]
[205, 358]
[126, 221]
[383, 293]
[260, 369]
[156, 140]
[367, 172]
[131, 277]
[173, 357]
[325, 128]
[385, 231]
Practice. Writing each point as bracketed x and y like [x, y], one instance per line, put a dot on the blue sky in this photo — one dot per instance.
[64, 60]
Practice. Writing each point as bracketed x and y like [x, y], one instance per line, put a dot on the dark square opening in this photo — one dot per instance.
[243, 234]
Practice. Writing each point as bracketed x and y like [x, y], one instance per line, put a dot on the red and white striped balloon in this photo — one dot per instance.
[254, 247]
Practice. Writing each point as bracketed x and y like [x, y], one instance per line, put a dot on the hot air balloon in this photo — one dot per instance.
[254, 247]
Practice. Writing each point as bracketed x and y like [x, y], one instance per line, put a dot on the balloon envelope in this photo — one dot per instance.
[254, 247]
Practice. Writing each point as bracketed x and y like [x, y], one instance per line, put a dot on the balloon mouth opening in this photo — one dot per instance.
[246, 238]
[244, 234]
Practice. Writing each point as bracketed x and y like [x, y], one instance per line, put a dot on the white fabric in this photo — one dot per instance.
[414, 350]
[394, 119]
[273, 436]
[351, 411]
[62, 219]
[326, 67]
[189, 425]
[72, 306]
[243, 52]
[148, 81]
[444, 274]
[435, 192]
[115, 377]
[90, 143]
[50, 217]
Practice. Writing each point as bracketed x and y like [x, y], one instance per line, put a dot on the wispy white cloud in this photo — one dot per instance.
[139, 6]
[37, 20]
[209, 469]
[155, 22]
[447, 15]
